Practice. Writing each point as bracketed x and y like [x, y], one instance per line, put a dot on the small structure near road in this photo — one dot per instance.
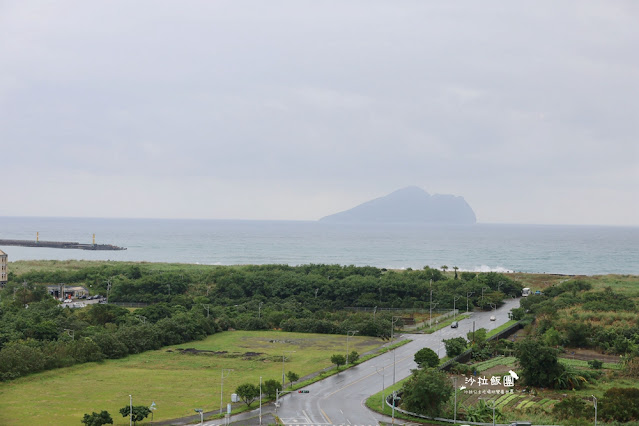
[63, 291]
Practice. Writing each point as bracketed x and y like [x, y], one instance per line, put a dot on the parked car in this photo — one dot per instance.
[455, 324]
[68, 301]
[492, 318]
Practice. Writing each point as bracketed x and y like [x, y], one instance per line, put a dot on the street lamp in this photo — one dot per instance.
[595, 401]
[455, 299]
[493, 407]
[393, 321]
[130, 409]
[108, 289]
[455, 415]
[470, 293]
[227, 371]
[285, 352]
[482, 295]
[201, 412]
[348, 334]
[260, 399]
[383, 387]
[71, 333]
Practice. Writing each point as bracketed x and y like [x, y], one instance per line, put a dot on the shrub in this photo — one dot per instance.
[595, 364]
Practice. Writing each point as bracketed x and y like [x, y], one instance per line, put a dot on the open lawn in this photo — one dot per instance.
[177, 381]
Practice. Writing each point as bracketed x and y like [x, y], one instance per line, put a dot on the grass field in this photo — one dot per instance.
[177, 382]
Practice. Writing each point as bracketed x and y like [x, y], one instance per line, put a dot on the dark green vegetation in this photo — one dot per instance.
[137, 413]
[97, 419]
[426, 358]
[583, 317]
[189, 302]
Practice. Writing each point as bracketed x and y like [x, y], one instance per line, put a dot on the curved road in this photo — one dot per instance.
[340, 399]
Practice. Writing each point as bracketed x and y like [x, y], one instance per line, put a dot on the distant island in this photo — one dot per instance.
[409, 205]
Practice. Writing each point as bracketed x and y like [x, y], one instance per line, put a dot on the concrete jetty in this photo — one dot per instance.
[59, 244]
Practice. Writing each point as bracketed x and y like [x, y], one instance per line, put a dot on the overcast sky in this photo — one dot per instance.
[299, 109]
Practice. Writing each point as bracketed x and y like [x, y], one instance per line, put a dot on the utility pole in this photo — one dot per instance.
[227, 371]
[455, 415]
[482, 295]
[348, 334]
[393, 321]
[283, 377]
[470, 293]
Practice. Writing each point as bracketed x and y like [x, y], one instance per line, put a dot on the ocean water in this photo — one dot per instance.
[588, 250]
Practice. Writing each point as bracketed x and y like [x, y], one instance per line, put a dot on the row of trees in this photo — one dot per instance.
[44, 336]
[192, 302]
[317, 287]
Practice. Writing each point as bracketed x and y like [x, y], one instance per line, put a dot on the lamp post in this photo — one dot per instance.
[108, 289]
[455, 299]
[383, 387]
[71, 333]
[130, 409]
[595, 401]
[470, 293]
[455, 415]
[393, 321]
[394, 395]
[227, 371]
[201, 413]
[482, 295]
[260, 399]
[348, 334]
[285, 352]
[430, 317]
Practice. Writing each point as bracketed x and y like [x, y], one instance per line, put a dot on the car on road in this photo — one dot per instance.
[492, 318]
[455, 324]
[68, 301]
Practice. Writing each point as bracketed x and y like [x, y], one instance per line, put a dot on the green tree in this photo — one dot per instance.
[481, 412]
[539, 364]
[270, 387]
[97, 419]
[426, 358]
[620, 404]
[248, 392]
[338, 360]
[353, 357]
[292, 377]
[140, 412]
[444, 268]
[572, 407]
[427, 391]
[477, 337]
[455, 346]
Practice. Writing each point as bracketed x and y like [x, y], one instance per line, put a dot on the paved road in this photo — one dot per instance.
[340, 399]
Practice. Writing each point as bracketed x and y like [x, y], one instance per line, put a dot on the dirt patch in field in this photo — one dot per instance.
[588, 355]
[193, 351]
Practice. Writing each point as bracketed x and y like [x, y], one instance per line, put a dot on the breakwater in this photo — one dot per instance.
[60, 245]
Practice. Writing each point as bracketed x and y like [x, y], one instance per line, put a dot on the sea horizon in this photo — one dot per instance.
[481, 247]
